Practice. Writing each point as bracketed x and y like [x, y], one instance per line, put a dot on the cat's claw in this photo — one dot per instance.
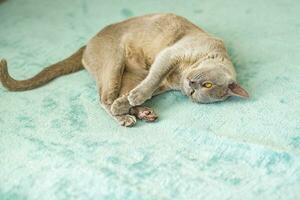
[126, 120]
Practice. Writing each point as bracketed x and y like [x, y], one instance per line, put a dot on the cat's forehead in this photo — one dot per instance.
[217, 75]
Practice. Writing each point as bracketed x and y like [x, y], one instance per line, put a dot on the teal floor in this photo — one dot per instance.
[56, 142]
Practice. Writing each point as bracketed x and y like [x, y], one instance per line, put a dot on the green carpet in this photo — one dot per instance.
[56, 142]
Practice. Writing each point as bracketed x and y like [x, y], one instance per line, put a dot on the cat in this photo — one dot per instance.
[144, 56]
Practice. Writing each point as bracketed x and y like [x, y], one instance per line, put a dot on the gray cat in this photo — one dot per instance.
[138, 58]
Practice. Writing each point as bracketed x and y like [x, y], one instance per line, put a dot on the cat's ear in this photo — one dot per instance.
[236, 90]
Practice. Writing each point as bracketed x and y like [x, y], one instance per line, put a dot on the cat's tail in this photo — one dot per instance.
[66, 66]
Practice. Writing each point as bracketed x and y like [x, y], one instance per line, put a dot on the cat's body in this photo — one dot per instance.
[135, 59]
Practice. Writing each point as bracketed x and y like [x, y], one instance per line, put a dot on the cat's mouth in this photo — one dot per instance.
[192, 92]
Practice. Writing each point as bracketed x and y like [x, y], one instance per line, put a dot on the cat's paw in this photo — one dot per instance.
[137, 96]
[120, 106]
[144, 113]
[126, 120]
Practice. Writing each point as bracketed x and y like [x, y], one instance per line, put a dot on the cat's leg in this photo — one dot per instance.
[122, 111]
[111, 82]
[104, 59]
[122, 106]
[126, 120]
[161, 67]
[146, 113]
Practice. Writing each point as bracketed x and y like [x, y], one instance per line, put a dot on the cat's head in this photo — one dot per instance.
[212, 81]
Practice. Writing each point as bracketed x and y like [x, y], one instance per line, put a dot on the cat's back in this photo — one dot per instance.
[152, 33]
[157, 29]
[152, 23]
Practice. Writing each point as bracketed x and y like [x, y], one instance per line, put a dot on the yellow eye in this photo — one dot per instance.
[207, 84]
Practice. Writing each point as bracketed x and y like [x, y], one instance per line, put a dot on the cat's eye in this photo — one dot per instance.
[207, 85]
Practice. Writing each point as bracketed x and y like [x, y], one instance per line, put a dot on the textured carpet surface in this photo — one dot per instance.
[56, 142]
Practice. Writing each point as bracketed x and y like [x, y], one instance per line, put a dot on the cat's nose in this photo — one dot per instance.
[193, 84]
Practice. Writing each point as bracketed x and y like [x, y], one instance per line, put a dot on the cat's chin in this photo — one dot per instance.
[208, 100]
[188, 91]
[191, 92]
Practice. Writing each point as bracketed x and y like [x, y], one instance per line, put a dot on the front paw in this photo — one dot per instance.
[120, 106]
[137, 97]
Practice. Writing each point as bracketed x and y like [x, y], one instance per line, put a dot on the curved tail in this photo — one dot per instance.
[66, 66]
